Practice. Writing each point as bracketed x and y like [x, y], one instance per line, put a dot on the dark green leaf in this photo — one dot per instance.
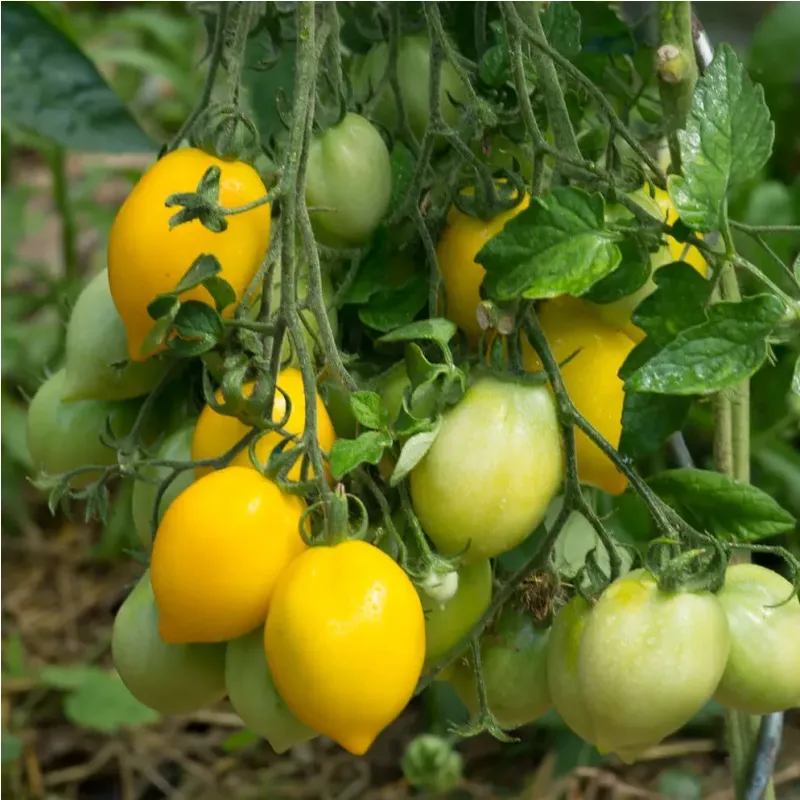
[268, 79]
[558, 245]
[155, 336]
[103, 703]
[562, 28]
[367, 409]
[725, 507]
[632, 273]
[395, 308]
[730, 346]
[347, 454]
[199, 329]
[403, 165]
[372, 275]
[223, 293]
[728, 138]
[49, 86]
[204, 266]
[647, 421]
[436, 329]
[165, 306]
[413, 452]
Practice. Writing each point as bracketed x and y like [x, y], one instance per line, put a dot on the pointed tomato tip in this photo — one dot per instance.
[355, 743]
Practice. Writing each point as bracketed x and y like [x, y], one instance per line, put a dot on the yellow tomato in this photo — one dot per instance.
[216, 433]
[462, 239]
[679, 251]
[218, 553]
[146, 258]
[572, 325]
[345, 641]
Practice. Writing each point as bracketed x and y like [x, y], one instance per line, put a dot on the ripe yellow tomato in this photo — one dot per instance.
[573, 325]
[345, 641]
[146, 258]
[218, 552]
[216, 433]
[462, 239]
[679, 251]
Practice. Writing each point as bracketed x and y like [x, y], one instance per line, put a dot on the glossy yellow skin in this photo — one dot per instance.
[216, 433]
[146, 258]
[487, 480]
[345, 641]
[218, 552]
[571, 325]
[462, 239]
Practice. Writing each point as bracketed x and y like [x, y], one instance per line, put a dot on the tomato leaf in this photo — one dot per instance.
[728, 138]
[396, 307]
[103, 703]
[199, 328]
[632, 273]
[165, 306]
[403, 164]
[51, 87]
[730, 346]
[562, 28]
[648, 420]
[558, 245]
[413, 452]
[347, 454]
[436, 329]
[725, 507]
[203, 267]
[796, 378]
[368, 409]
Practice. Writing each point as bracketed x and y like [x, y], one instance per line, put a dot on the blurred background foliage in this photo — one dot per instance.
[89, 92]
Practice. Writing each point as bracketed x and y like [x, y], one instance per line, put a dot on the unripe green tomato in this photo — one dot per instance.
[649, 660]
[446, 624]
[514, 662]
[96, 340]
[349, 179]
[413, 72]
[762, 674]
[63, 436]
[169, 678]
[254, 697]
[176, 447]
[487, 480]
[562, 667]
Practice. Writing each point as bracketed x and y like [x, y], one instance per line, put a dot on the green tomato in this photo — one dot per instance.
[514, 662]
[169, 678]
[391, 386]
[350, 177]
[96, 340]
[447, 623]
[413, 71]
[176, 447]
[762, 675]
[254, 697]
[487, 480]
[63, 436]
[562, 667]
[649, 661]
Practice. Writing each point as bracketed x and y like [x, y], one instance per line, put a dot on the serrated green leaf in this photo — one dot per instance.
[50, 86]
[558, 245]
[367, 409]
[165, 306]
[394, 308]
[632, 273]
[726, 508]
[562, 28]
[648, 419]
[413, 452]
[103, 703]
[730, 346]
[347, 454]
[436, 329]
[728, 138]
[199, 329]
[204, 266]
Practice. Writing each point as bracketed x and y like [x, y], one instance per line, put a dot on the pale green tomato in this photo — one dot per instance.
[63, 436]
[169, 678]
[762, 675]
[254, 697]
[96, 340]
[489, 477]
[514, 662]
[413, 71]
[349, 175]
[176, 447]
[446, 624]
[649, 661]
[562, 667]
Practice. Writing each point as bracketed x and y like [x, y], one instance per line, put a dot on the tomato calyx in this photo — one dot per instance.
[225, 131]
[502, 190]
